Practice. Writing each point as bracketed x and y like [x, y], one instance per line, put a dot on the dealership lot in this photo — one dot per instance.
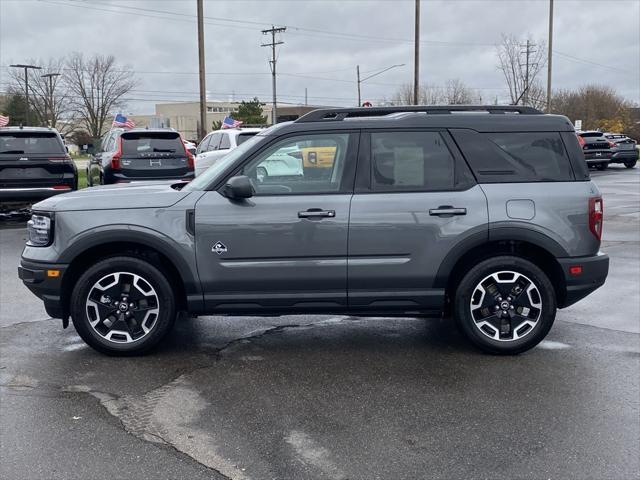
[331, 397]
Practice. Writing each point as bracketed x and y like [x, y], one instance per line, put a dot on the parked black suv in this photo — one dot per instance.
[34, 165]
[596, 148]
[140, 154]
[625, 149]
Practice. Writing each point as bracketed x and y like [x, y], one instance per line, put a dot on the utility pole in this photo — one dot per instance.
[528, 51]
[203, 86]
[305, 96]
[273, 30]
[549, 53]
[26, 86]
[358, 75]
[50, 99]
[416, 57]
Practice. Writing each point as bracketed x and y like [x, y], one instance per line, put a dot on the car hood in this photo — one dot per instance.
[118, 196]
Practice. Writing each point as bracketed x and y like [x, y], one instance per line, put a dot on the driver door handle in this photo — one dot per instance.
[447, 211]
[317, 212]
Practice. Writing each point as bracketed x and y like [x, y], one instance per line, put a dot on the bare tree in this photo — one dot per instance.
[427, 95]
[98, 86]
[48, 94]
[457, 93]
[519, 69]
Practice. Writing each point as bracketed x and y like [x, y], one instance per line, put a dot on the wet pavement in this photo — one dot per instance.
[315, 397]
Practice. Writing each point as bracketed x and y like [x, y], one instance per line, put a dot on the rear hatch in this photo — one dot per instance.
[595, 145]
[154, 155]
[31, 159]
[623, 143]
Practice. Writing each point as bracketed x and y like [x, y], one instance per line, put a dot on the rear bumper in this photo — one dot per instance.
[593, 275]
[49, 289]
[30, 193]
[625, 156]
[597, 157]
[123, 178]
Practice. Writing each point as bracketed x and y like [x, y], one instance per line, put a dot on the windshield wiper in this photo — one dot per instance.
[13, 151]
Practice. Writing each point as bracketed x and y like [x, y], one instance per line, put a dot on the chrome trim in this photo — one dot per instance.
[35, 189]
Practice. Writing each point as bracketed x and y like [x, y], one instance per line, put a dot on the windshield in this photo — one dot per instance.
[202, 181]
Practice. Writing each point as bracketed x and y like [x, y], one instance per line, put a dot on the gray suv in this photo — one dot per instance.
[484, 214]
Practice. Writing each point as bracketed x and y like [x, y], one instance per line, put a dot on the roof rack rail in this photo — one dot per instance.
[339, 114]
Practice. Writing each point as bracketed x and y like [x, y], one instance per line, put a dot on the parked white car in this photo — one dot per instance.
[218, 143]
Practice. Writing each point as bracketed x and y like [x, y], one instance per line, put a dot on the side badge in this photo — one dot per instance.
[219, 248]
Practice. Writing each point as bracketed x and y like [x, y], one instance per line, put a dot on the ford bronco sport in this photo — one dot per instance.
[486, 214]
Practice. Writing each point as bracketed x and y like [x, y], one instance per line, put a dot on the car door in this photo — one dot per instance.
[415, 200]
[285, 248]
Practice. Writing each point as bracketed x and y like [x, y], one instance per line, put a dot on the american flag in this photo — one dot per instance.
[229, 122]
[4, 121]
[122, 121]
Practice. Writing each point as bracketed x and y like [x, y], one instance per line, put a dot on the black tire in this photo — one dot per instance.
[153, 276]
[469, 326]
[630, 164]
[602, 166]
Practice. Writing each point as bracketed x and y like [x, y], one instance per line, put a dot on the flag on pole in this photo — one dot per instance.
[4, 121]
[229, 122]
[122, 121]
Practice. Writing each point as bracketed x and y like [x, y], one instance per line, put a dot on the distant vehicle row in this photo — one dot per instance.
[600, 149]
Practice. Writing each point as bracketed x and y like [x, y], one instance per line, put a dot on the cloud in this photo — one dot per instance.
[324, 42]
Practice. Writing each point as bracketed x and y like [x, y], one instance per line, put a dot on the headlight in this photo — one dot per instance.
[40, 230]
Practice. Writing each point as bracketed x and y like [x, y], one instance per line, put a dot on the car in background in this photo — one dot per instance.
[190, 146]
[625, 149]
[34, 165]
[596, 148]
[140, 155]
[218, 143]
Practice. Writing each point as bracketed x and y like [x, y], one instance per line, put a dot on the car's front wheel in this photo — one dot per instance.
[123, 306]
[505, 305]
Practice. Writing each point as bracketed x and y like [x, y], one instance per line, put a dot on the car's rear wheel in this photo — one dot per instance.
[123, 306]
[505, 305]
[630, 164]
[602, 166]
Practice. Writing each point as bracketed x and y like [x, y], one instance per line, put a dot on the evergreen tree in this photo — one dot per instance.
[250, 112]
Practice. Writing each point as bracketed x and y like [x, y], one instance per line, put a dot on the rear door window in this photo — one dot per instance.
[411, 161]
[515, 156]
[243, 137]
[30, 143]
[147, 143]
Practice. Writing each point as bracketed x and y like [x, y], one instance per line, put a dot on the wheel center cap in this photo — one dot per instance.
[504, 305]
[123, 307]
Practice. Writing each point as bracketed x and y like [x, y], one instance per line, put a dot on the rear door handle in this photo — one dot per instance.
[317, 212]
[447, 211]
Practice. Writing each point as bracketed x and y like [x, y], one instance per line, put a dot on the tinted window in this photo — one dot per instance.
[284, 168]
[411, 161]
[30, 143]
[243, 137]
[147, 142]
[225, 143]
[515, 157]
[590, 134]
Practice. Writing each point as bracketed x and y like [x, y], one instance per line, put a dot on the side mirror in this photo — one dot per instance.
[238, 187]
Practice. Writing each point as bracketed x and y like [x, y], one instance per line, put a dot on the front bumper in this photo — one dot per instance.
[593, 274]
[37, 277]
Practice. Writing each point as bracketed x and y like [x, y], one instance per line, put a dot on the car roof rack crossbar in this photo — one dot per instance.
[339, 114]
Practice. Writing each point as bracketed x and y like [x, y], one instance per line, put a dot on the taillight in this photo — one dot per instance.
[596, 216]
[581, 140]
[60, 159]
[612, 145]
[115, 160]
[190, 161]
[61, 187]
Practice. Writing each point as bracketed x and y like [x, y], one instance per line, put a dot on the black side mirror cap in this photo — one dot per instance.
[238, 187]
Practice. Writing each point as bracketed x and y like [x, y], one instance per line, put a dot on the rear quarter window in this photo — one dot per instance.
[30, 143]
[515, 156]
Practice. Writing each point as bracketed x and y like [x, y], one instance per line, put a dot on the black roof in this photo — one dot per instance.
[482, 118]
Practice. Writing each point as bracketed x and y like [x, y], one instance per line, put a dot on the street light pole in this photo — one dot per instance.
[416, 55]
[360, 80]
[26, 86]
[549, 55]
[203, 87]
[50, 96]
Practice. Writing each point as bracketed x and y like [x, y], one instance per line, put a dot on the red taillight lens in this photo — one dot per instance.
[580, 140]
[596, 216]
[190, 161]
[115, 160]
[61, 187]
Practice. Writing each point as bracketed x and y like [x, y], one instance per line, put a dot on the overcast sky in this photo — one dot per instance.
[594, 42]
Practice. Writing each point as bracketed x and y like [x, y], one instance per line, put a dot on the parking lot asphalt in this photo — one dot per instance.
[315, 397]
